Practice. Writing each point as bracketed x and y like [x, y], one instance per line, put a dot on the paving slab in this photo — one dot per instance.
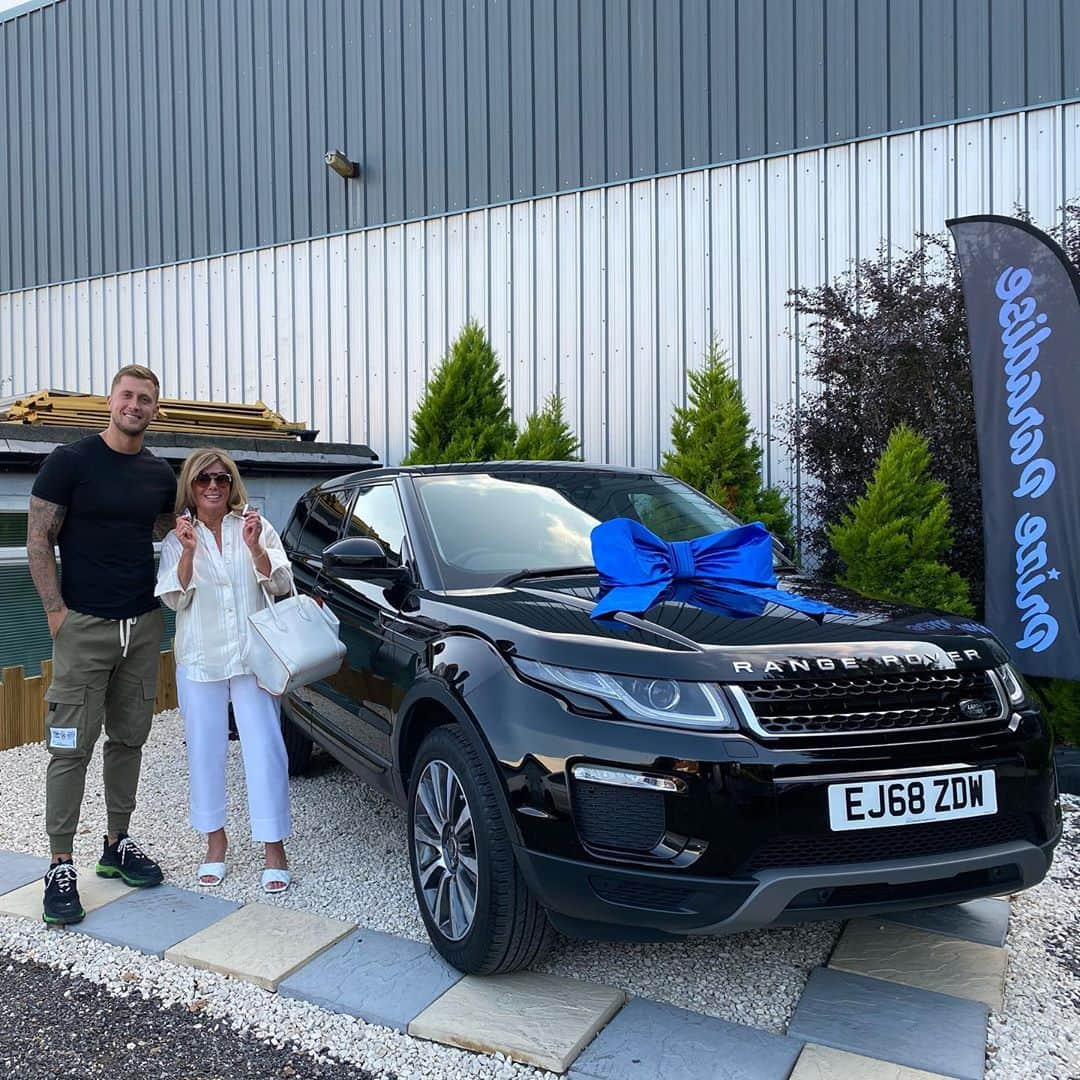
[259, 943]
[17, 869]
[984, 921]
[892, 1022]
[381, 978]
[826, 1063]
[153, 920]
[536, 1019]
[905, 954]
[649, 1039]
[94, 892]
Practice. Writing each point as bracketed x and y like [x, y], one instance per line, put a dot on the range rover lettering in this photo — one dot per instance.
[684, 770]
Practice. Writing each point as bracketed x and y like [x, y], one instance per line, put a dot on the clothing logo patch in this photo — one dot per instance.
[63, 738]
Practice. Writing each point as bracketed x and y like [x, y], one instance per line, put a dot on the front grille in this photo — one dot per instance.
[618, 818]
[895, 842]
[906, 702]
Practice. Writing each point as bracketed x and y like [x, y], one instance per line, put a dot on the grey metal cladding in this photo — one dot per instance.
[141, 133]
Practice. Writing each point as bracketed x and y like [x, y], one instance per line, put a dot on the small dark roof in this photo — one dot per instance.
[458, 468]
[23, 447]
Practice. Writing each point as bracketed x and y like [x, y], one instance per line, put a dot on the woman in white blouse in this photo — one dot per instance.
[214, 568]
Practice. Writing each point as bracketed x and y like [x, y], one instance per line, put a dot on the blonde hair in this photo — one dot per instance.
[194, 464]
[137, 371]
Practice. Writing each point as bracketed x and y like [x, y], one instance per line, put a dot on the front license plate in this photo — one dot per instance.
[876, 804]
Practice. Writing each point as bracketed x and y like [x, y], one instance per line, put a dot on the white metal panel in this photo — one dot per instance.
[322, 359]
[593, 325]
[567, 270]
[545, 306]
[1007, 163]
[779, 271]
[618, 390]
[1042, 164]
[937, 168]
[609, 295]
[693, 252]
[670, 362]
[415, 320]
[397, 415]
[375, 292]
[356, 389]
[904, 191]
[518, 362]
[500, 290]
[643, 318]
[750, 349]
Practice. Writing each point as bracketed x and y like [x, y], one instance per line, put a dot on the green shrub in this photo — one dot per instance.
[713, 452]
[547, 437]
[893, 541]
[463, 415]
[1062, 700]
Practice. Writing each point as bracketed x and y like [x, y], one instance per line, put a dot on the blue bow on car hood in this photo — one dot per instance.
[731, 571]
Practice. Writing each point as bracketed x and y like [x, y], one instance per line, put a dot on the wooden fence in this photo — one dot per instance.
[22, 700]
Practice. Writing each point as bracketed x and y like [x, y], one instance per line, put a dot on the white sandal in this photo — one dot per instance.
[274, 876]
[215, 870]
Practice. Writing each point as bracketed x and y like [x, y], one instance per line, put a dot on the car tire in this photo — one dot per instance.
[297, 746]
[509, 929]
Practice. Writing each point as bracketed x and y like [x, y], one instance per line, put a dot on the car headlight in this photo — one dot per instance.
[655, 701]
[1013, 682]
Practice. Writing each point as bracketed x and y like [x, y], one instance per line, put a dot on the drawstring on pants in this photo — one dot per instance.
[126, 626]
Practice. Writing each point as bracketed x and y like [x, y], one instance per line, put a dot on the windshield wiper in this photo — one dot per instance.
[551, 571]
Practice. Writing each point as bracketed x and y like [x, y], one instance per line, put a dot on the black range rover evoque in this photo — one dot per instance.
[679, 772]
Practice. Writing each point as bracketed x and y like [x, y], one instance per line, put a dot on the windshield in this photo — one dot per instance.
[486, 526]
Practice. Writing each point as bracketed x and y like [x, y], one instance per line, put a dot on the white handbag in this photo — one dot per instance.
[292, 643]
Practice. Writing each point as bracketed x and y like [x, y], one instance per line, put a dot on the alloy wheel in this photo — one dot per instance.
[444, 843]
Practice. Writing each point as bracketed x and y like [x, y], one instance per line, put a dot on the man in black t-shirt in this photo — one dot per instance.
[103, 499]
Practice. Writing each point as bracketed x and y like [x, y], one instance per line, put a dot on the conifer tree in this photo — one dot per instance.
[713, 451]
[547, 436]
[463, 415]
[893, 541]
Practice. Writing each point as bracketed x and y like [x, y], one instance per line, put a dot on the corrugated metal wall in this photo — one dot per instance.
[606, 296]
[140, 132]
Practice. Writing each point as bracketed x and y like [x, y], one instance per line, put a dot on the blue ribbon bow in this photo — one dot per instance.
[730, 570]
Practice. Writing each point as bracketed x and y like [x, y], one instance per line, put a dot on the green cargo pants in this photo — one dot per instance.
[104, 672]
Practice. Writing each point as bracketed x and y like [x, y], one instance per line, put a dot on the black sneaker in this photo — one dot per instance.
[126, 860]
[62, 905]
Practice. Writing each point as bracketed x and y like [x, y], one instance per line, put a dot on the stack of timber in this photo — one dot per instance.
[62, 408]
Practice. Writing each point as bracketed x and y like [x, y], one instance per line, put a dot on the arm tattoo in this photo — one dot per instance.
[163, 525]
[42, 528]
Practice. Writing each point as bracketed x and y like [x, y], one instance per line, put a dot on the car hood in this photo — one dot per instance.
[550, 621]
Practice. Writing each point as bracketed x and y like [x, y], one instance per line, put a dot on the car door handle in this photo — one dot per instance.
[323, 591]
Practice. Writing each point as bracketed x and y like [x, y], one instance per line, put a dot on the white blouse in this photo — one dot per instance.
[225, 587]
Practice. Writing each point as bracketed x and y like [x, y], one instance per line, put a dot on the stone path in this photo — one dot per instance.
[902, 998]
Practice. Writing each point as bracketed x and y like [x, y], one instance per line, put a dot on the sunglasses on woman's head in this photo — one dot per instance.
[222, 479]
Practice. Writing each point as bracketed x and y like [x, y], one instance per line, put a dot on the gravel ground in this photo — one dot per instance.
[54, 1026]
[1037, 1034]
[349, 861]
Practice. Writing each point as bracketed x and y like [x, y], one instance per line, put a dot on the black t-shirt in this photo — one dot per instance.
[106, 540]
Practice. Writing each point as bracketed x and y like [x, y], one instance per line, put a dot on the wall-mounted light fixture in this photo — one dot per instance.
[341, 164]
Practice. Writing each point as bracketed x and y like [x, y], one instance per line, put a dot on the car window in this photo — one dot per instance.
[377, 513]
[485, 525]
[323, 525]
[291, 536]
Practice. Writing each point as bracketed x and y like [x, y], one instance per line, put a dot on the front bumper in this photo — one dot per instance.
[745, 841]
[587, 900]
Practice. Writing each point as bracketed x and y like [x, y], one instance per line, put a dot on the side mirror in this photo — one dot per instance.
[360, 557]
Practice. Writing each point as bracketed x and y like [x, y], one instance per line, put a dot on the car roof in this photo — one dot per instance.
[465, 467]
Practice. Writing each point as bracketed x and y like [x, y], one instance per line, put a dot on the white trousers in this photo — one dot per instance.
[205, 706]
